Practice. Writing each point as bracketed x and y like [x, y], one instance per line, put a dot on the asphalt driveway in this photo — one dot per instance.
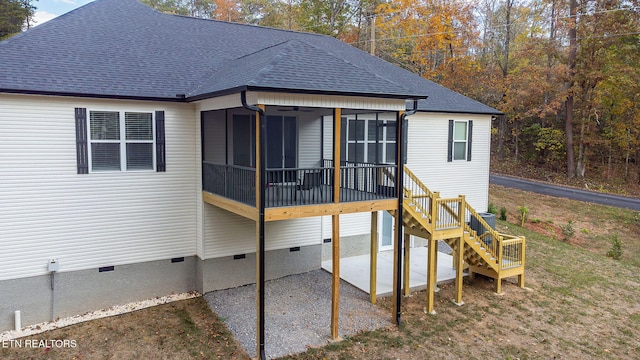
[565, 192]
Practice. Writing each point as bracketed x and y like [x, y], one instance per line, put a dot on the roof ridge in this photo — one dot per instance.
[274, 61]
[216, 71]
[330, 53]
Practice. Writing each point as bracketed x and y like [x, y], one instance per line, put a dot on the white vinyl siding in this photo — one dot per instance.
[89, 220]
[227, 234]
[350, 225]
[325, 101]
[427, 157]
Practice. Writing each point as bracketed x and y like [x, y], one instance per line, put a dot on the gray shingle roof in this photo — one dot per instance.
[122, 48]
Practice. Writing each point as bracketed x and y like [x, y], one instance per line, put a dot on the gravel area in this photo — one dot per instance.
[444, 248]
[297, 313]
[93, 315]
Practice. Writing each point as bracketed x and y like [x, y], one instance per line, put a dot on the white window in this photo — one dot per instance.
[121, 141]
[460, 140]
[370, 140]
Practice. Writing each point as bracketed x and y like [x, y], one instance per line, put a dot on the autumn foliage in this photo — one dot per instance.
[565, 73]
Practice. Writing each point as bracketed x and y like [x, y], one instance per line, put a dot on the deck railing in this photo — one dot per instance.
[508, 250]
[301, 186]
[231, 181]
[441, 213]
[511, 253]
[365, 181]
[448, 213]
[420, 196]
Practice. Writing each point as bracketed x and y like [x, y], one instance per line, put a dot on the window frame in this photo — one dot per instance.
[457, 141]
[384, 128]
[122, 141]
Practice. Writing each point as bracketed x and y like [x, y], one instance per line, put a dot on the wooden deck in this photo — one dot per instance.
[306, 203]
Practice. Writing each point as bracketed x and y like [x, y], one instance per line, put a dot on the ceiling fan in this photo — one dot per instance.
[295, 108]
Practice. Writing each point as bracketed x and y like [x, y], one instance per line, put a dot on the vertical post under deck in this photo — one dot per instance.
[335, 227]
[373, 262]
[335, 275]
[397, 245]
[260, 248]
[406, 288]
[431, 273]
[458, 266]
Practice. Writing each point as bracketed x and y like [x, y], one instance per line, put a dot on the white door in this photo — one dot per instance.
[385, 231]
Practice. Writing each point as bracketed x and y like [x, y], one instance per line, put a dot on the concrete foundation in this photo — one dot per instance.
[360, 245]
[229, 272]
[78, 292]
[349, 246]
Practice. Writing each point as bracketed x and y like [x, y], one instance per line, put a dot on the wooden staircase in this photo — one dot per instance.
[493, 254]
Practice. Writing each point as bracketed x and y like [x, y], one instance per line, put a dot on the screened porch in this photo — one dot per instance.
[299, 151]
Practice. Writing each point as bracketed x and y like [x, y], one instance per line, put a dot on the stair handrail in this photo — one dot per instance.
[490, 232]
[418, 182]
[423, 199]
[500, 242]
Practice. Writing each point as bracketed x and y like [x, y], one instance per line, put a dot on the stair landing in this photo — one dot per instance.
[355, 270]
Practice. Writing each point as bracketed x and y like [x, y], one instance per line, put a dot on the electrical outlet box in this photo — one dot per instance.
[53, 265]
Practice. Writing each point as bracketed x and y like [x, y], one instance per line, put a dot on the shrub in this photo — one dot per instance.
[616, 248]
[492, 209]
[568, 230]
[503, 213]
[523, 214]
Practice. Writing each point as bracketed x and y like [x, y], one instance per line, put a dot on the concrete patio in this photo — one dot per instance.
[355, 270]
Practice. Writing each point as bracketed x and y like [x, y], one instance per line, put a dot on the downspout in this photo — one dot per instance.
[400, 184]
[260, 193]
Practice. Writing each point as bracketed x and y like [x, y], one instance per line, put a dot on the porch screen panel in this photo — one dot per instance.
[243, 140]
[274, 142]
[282, 142]
[290, 142]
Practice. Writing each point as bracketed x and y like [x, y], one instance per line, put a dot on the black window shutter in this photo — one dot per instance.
[450, 144]
[161, 165]
[82, 155]
[469, 137]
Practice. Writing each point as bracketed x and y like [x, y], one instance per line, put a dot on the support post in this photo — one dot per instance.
[459, 274]
[335, 275]
[335, 227]
[397, 246]
[260, 248]
[431, 274]
[522, 257]
[406, 287]
[373, 261]
[434, 211]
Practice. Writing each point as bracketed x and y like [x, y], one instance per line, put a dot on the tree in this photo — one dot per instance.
[15, 16]
[330, 17]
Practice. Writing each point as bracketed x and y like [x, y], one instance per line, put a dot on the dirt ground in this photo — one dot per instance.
[578, 304]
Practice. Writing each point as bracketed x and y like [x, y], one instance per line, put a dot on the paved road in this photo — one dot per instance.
[566, 192]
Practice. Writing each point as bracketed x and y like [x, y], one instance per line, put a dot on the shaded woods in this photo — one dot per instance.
[566, 73]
